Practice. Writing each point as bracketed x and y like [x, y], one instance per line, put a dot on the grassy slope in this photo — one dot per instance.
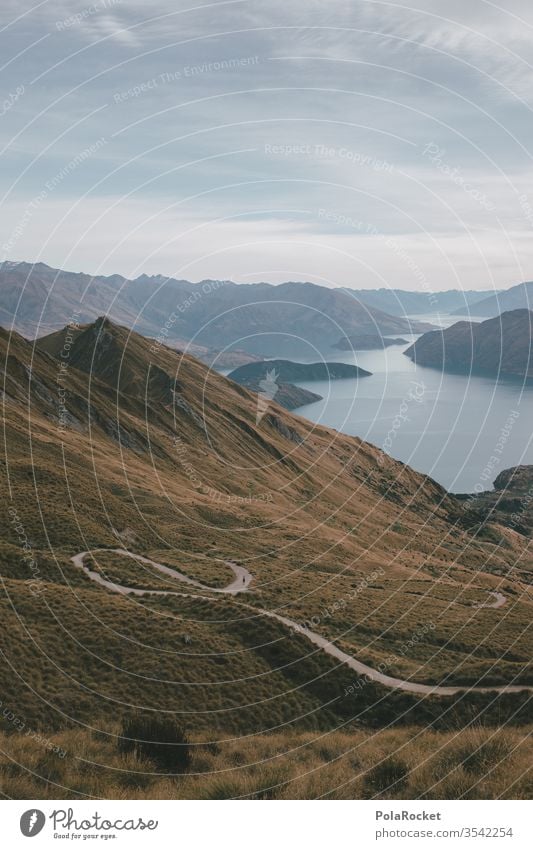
[310, 512]
[396, 763]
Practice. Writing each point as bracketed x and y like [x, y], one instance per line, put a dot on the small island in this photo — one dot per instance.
[367, 342]
[276, 378]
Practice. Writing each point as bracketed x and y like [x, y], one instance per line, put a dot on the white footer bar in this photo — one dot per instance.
[268, 824]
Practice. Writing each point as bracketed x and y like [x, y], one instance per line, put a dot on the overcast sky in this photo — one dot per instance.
[346, 142]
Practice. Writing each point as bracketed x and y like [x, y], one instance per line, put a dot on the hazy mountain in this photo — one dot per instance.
[36, 299]
[517, 297]
[290, 320]
[402, 302]
[219, 360]
[510, 502]
[501, 345]
[294, 319]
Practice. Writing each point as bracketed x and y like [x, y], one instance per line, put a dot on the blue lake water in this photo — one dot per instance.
[445, 425]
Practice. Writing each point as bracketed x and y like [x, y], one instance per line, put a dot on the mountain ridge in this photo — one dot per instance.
[405, 302]
[517, 297]
[261, 318]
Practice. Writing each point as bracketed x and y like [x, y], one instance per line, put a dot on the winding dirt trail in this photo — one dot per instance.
[242, 581]
[499, 601]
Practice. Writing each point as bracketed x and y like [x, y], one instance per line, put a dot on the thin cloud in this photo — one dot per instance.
[368, 85]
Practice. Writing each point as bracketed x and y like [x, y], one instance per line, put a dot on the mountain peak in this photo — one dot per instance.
[103, 323]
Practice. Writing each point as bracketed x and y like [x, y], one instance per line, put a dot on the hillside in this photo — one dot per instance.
[294, 319]
[399, 763]
[516, 298]
[287, 395]
[116, 447]
[499, 346]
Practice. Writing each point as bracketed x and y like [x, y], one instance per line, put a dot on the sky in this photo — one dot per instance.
[345, 142]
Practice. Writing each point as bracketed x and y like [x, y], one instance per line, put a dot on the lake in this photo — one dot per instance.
[460, 430]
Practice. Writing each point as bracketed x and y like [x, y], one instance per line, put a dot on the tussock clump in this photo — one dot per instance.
[132, 779]
[388, 777]
[479, 756]
[273, 784]
[222, 789]
[426, 764]
[160, 740]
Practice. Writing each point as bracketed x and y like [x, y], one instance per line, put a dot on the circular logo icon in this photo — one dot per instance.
[32, 822]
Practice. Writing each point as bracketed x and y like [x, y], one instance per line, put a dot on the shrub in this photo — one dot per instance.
[222, 789]
[325, 753]
[236, 758]
[160, 739]
[387, 776]
[212, 747]
[478, 758]
[50, 768]
[273, 783]
[135, 780]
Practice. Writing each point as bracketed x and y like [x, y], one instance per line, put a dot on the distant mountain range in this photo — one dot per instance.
[225, 322]
[291, 319]
[402, 302]
[498, 346]
[515, 298]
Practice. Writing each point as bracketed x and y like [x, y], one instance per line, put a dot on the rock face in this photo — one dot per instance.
[366, 342]
[499, 346]
[510, 503]
[96, 349]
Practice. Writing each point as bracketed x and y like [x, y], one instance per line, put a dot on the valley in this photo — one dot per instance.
[266, 422]
[367, 600]
[241, 584]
